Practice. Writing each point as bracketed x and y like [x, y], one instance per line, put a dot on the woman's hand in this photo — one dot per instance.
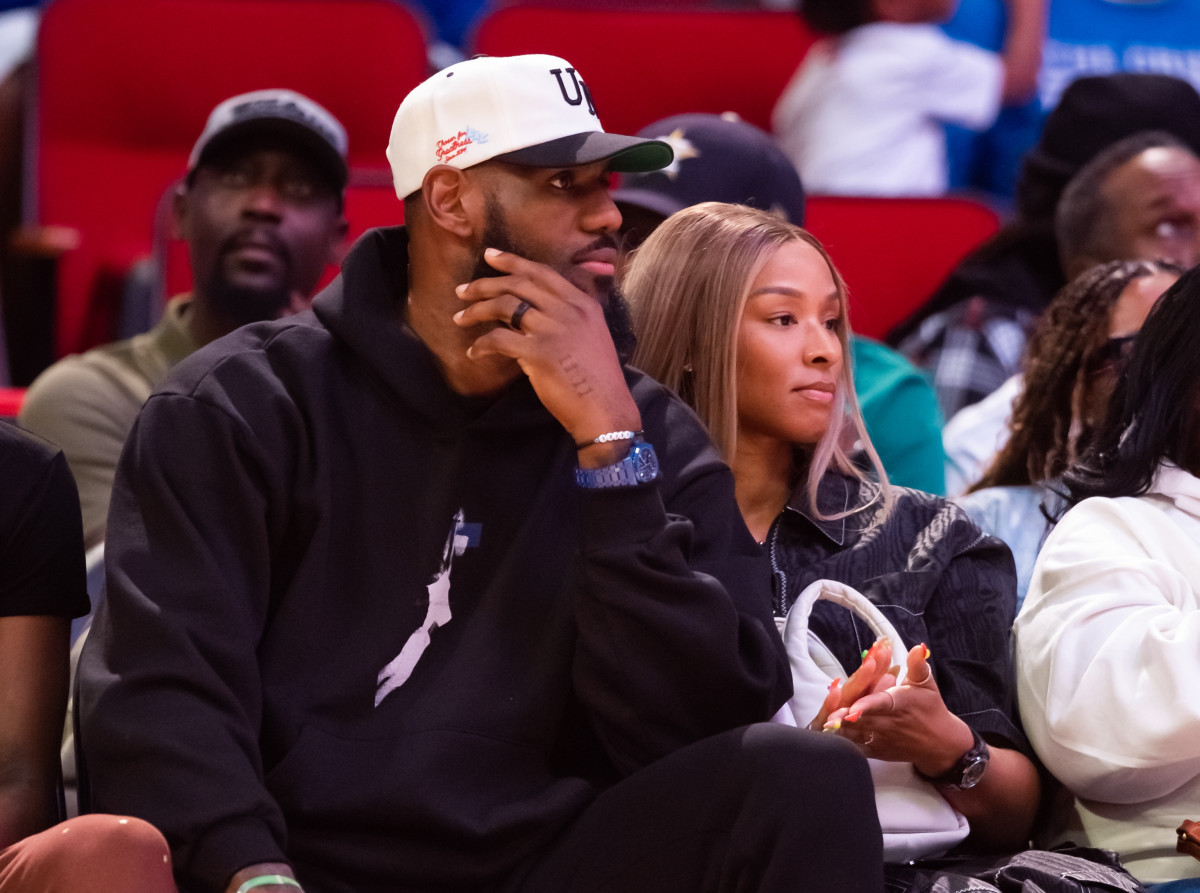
[908, 722]
[874, 674]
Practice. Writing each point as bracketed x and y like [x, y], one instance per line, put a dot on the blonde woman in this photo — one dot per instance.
[744, 316]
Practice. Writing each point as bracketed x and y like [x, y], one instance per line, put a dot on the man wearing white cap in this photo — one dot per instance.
[430, 592]
[261, 211]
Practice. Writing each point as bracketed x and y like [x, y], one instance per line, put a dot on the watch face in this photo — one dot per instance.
[974, 772]
[645, 463]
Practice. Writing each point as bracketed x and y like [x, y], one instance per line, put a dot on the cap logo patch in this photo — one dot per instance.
[453, 146]
[683, 148]
[272, 107]
[578, 88]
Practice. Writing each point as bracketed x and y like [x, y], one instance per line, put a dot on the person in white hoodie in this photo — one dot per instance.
[1107, 653]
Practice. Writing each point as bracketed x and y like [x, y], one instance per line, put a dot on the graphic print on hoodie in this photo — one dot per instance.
[399, 668]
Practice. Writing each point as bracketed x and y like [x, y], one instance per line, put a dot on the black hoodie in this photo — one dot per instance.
[285, 510]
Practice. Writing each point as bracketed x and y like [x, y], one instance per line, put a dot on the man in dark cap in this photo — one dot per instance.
[970, 335]
[718, 158]
[426, 590]
[261, 212]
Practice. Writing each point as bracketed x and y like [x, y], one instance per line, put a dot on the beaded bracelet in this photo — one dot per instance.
[263, 879]
[609, 437]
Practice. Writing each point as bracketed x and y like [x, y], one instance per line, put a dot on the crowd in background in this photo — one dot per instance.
[206, 523]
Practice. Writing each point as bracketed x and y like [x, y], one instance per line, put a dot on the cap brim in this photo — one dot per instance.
[625, 154]
[649, 200]
[303, 138]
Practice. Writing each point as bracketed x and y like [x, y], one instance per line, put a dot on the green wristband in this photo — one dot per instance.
[263, 879]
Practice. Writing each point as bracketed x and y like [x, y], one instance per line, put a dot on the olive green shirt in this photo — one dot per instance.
[87, 403]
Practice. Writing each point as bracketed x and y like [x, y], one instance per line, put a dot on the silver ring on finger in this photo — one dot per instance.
[891, 700]
[515, 322]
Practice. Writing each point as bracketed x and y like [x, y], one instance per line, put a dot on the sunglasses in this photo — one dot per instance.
[1113, 351]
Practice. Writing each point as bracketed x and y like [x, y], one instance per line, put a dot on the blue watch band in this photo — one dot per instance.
[639, 467]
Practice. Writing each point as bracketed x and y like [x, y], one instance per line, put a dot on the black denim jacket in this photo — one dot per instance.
[930, 570]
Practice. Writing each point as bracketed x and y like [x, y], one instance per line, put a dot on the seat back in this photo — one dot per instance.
[125, 86]
[645, 64]
[894, 252]
[10, 402]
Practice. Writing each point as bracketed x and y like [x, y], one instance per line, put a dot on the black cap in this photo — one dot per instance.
[718, 158]
[1093, 113]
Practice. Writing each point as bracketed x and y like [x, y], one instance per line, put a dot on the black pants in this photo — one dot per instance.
[761, 809]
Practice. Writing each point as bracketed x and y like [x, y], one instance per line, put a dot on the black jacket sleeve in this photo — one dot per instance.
[676, 637]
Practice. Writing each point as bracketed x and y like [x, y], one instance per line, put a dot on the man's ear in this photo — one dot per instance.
[337, 240]
[453, 200]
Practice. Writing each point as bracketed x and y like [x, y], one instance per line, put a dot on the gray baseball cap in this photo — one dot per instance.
[282, 112]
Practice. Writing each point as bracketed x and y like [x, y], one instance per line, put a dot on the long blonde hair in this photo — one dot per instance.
[687, 287]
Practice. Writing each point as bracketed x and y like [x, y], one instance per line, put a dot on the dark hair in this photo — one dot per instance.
[835, 16]
[1049, 427]
[1083, 222]
[1153, 414]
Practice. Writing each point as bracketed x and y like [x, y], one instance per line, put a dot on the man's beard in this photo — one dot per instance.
[242, 304]
[498, 234]
[620, 323]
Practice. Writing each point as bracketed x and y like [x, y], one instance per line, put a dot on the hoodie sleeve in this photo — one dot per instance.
[170, 696]
[676, 636]
[1106, 652]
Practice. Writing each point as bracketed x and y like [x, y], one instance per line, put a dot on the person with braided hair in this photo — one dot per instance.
[1139, 199]
[1106, 643]
[1073, 361]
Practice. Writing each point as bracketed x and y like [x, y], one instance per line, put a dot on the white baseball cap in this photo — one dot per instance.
[532, 110]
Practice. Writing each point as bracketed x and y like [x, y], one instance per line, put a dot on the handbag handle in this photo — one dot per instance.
[813, 664]
[915, 818]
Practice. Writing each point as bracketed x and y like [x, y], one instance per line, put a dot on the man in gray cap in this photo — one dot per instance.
[261, 212]
[427, 590]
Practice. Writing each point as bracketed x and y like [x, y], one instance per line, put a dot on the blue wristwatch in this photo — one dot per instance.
[637, 468]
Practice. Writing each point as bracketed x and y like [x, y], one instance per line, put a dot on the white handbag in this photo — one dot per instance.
[917, 821]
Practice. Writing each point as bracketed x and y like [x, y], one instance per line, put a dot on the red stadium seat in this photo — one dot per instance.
[893, 252]
[10, 402]
[124, 87]
[642, 65]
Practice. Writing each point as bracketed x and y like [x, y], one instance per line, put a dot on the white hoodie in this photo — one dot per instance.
[1108, 670]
